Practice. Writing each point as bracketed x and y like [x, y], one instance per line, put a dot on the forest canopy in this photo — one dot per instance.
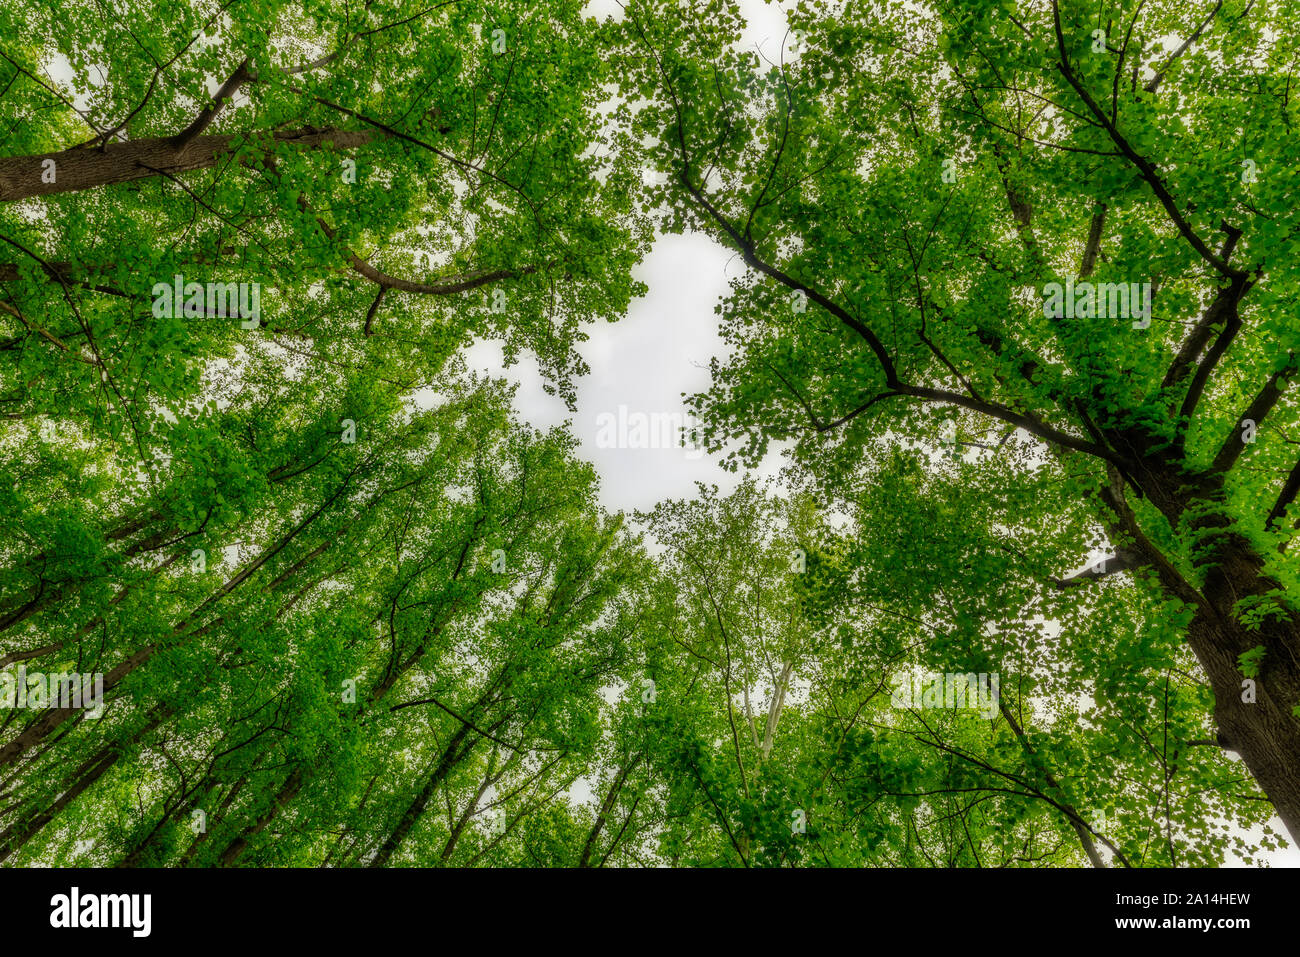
[285, 582]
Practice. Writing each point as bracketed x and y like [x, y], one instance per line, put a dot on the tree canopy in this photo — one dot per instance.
[1016, 305]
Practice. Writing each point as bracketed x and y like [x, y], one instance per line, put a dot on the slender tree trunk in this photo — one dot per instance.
[53, 718]
[584, 859]
[288, 791]
[141, 847]
[201, 838]
[94, 768]
[451, 756]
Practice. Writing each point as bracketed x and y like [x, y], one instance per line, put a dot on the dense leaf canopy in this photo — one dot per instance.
[350, 610]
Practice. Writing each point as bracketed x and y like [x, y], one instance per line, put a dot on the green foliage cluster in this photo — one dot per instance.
[350, 611]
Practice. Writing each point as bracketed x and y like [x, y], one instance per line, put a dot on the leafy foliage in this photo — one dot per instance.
[349, 611]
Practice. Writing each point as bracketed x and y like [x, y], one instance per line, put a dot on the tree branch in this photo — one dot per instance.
[1144, 166]
[81, 169]
[1154, 83]
[226, 91]
[1259, 407]
[1123, 560]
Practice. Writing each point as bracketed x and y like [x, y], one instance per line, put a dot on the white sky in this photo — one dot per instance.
[644, 362]
[659, 351]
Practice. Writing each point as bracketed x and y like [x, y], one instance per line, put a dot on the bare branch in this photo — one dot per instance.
[1123, 560]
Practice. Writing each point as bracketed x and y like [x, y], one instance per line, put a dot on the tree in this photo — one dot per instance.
[906, 188]
[347, 610]
[822, 625]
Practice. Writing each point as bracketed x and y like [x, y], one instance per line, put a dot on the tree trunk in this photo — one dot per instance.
[22, 177]
[451, 756]
[1264, 731]
[606, 806]
[94, 768]
[288, 791]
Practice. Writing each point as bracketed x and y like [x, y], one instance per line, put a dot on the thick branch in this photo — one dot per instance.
[1123, 560]
[1290, 488]
[81, 169]
[1090, 251]
[1259, 407]
[1231, 326]
[1196, 341]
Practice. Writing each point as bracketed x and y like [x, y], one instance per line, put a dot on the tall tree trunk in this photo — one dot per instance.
[1256, 720]
[1264, 731]
[53, 718]
[90, 771]
[288, 791]
[607, 805]
[22, 177]
[451, 756]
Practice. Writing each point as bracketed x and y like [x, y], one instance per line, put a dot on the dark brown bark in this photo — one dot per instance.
[140, 850]
[288, 791]
[201, 838]
[1264, 732]
[89, 167]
